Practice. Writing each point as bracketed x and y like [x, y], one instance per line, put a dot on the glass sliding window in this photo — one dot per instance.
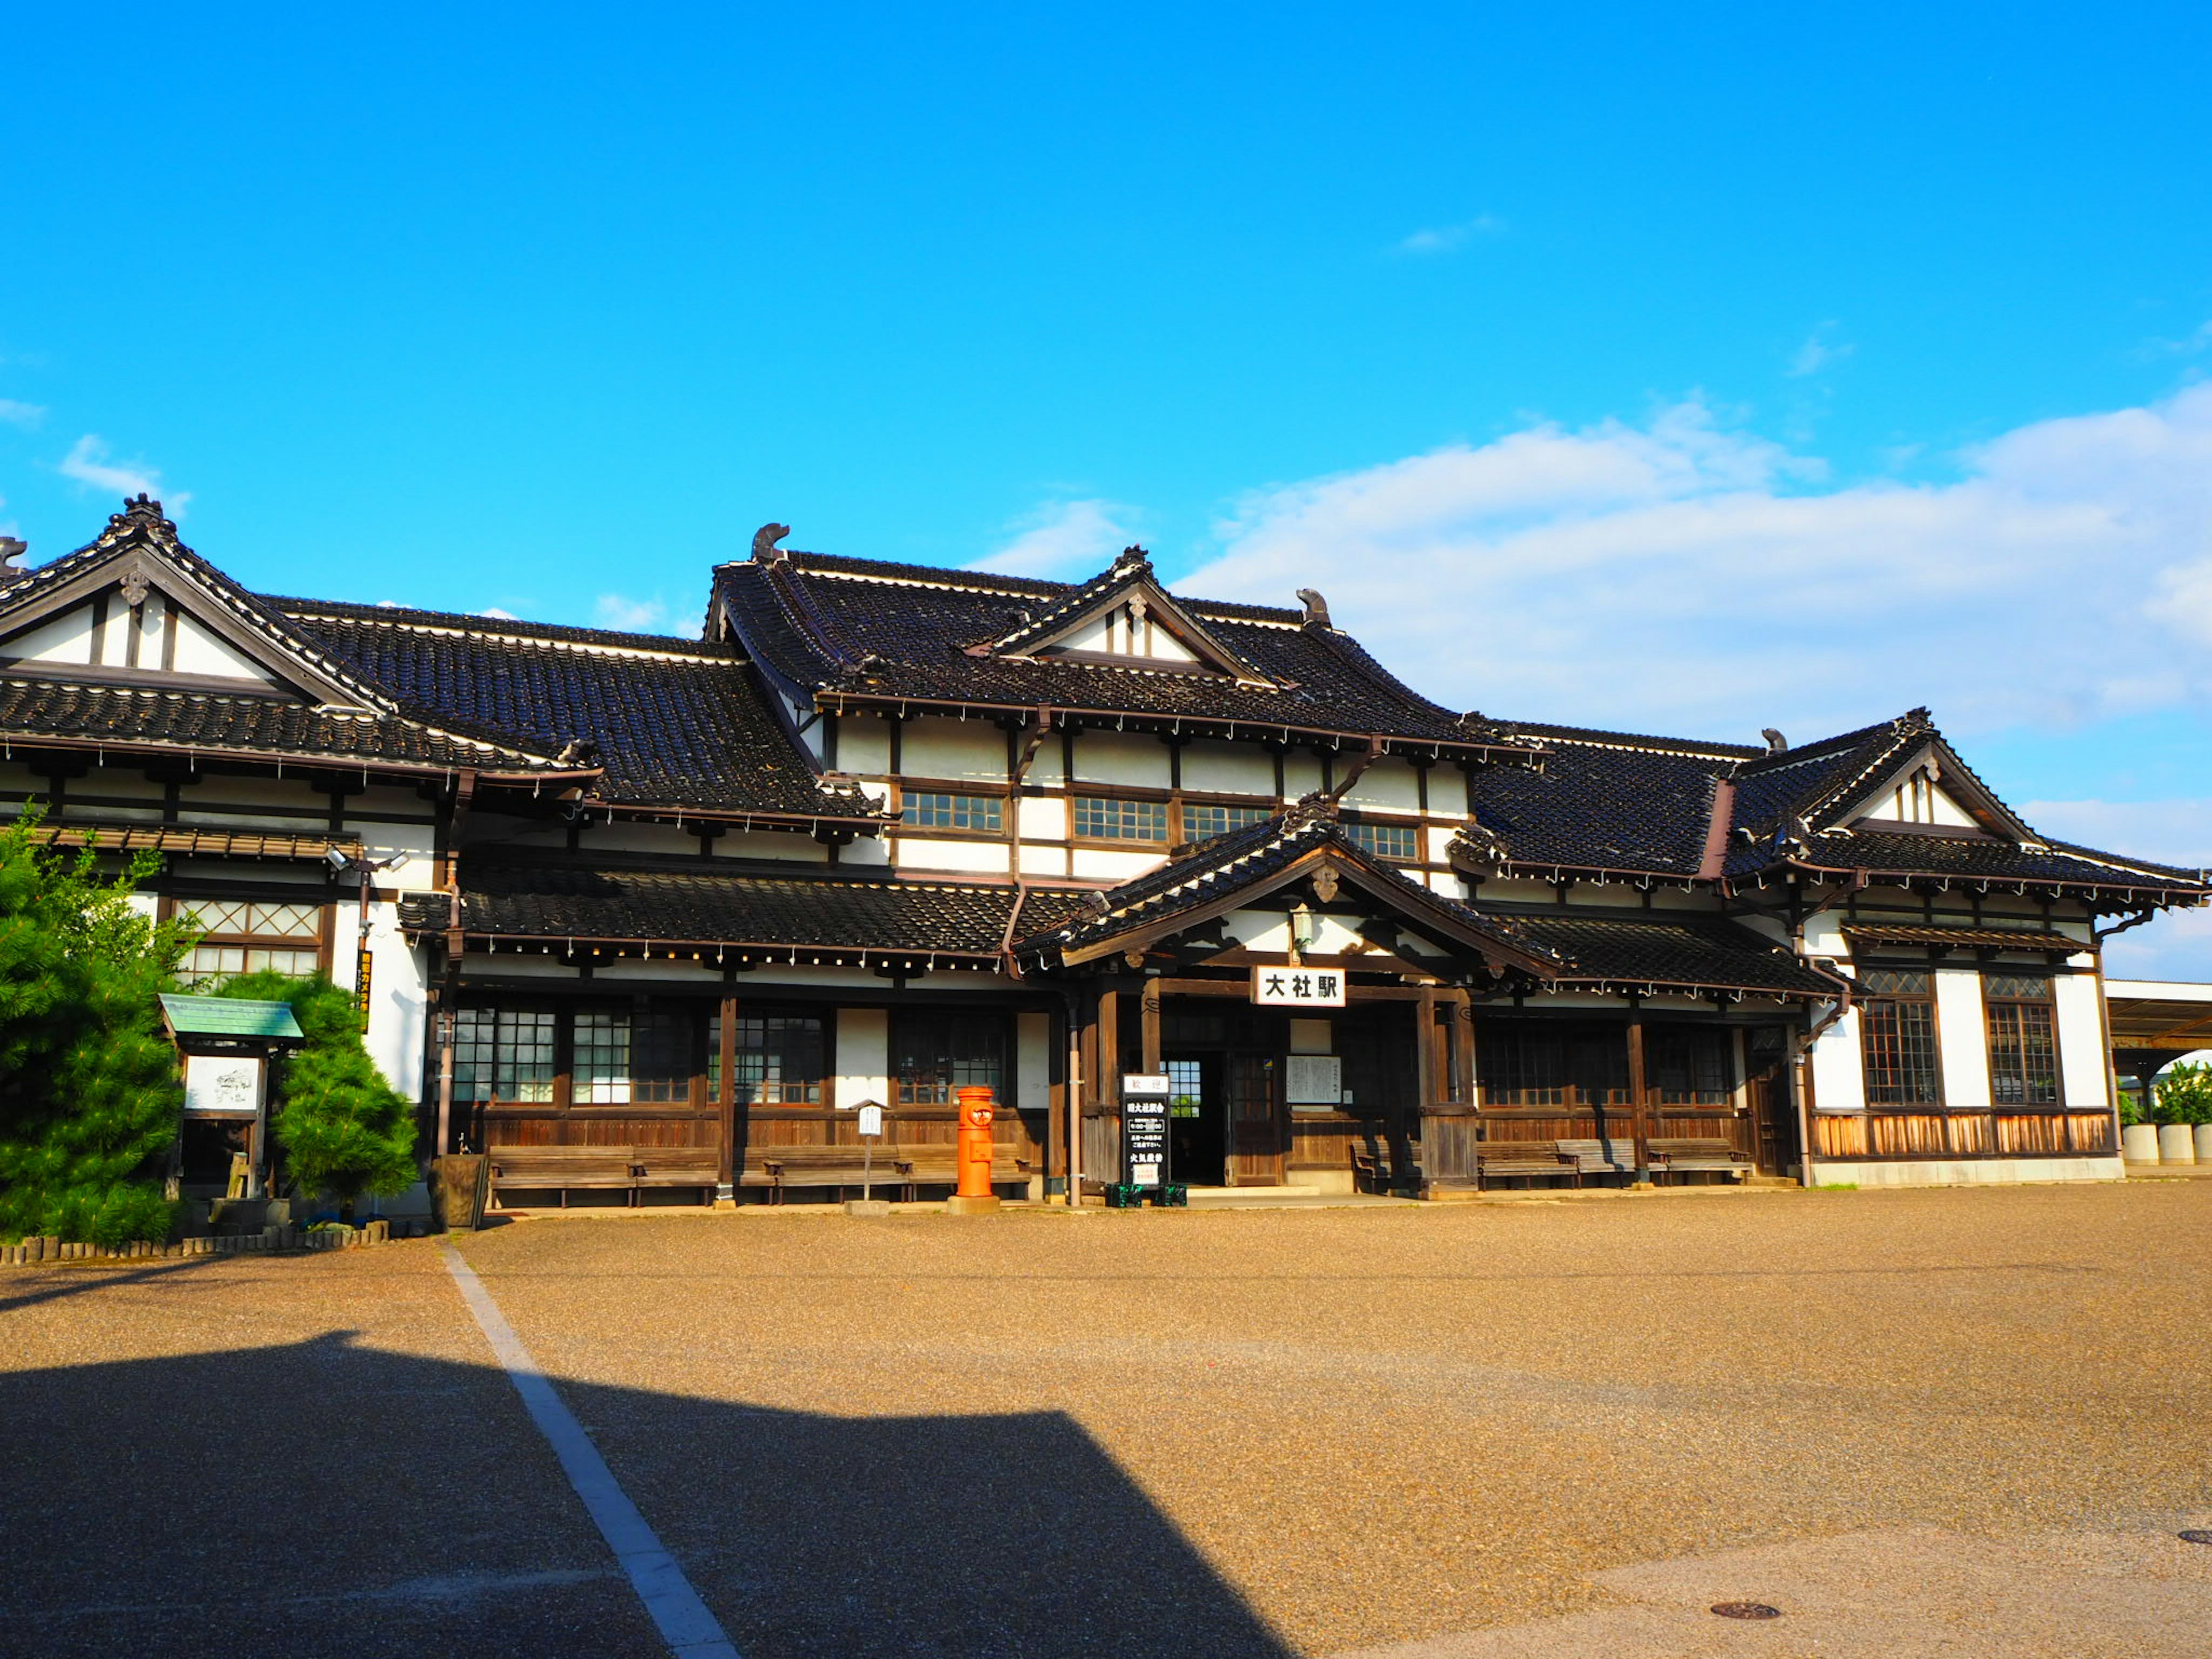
[2023, 1039]
[1685, 1066]
[664, 1048]
[1100, 819]
[1550, 1063]
[925, 811]
[1202, 823]
[1896, 1038]
[932, 1053]
[245, 936]
[503, 1053]
[602, 1051]
[781, 1059]
[1398, 841]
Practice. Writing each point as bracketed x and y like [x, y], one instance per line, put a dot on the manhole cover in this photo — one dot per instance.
[1746, 1610]
[2195, 1535]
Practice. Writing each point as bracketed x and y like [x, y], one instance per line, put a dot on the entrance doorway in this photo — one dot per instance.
[1198, 1119]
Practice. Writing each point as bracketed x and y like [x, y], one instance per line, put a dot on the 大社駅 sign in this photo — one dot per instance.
[1298, 987]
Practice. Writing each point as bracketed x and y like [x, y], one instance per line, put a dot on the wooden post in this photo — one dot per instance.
[1463, 1049]
[726, 1098]
[1428, 1074]
[1108, 1086]
[1636, 1094]
[1148, 1008]
[1060, 1081]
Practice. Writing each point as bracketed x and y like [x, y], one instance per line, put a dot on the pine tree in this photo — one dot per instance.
[345, 1130]
[89, 1096]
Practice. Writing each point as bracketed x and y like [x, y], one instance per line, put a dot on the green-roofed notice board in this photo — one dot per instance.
[232, 1017]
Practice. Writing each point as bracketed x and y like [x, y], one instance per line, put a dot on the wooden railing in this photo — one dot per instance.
[1965, 1132]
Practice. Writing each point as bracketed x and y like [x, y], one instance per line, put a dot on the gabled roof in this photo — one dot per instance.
[675, 723]
[1243, 866]
[1827, 785]
[844, 633]
[1129, 577]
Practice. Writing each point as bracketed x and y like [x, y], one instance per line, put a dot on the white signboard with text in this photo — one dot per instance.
[1298, 987]
[223, 1086]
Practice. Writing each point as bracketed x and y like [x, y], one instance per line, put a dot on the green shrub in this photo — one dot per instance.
[2183, 1095]
[89, 1096]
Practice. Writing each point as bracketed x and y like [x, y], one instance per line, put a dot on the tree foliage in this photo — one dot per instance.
[345, 1129]
[2183, 1095]
[88, 1090]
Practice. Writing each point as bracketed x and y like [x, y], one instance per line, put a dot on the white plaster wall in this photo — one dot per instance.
[633, 835]
[115, 637]
[916, 853]
[1675, 898]
[515, 964]
[1092, 864]
[116, 782]
[398, 997]
[65, 638]
[1313, 1036]
[1824, 935]
[1042, 818]
[1044, 860]
[415, 847]
[704, 972]
[863, 1056]
[1448, 792]
[936, 748]
[869, 852]
[151, 626]
[1122, 757]
[256, 792]
[1391, 785]
[1517, 891]
[1963, 1037]
[791, 846]
[1228, 768]
[1839, 1068]
[1438, 838]
[864, 745]
[1301, 775]
[2083, 1064]
[199, 652]
[1033, 1061]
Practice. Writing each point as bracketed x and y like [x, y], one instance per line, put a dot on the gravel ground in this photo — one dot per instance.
[1223, 1433]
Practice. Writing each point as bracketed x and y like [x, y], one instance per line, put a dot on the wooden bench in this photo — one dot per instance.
[931, 1163]
[678, 1166]
[1371, 1170]
[1532, 1160]
[1600, 1158]
[1690, 1155]
[562, 1168]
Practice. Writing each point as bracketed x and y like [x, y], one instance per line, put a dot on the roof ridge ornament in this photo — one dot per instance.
[1316, 609]
[141, 520]
[765, 550]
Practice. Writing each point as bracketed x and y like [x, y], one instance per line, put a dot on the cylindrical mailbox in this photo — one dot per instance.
[974, 1147]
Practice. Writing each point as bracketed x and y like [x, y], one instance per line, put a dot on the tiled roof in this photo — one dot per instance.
[675, 722]
[830, 913]
[1979, 859]
[1685, 953]
[1960, 939]
[1597, 803]
[208, 723]
[855, 629]
[1242, 859]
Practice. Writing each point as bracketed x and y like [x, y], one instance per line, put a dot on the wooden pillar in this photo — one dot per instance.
[1060, 1073]
[1081, 1097]
[1148, 1009]
[1428, 1070]
[726, 1098]
[1462, 1054]
[1636, 1094]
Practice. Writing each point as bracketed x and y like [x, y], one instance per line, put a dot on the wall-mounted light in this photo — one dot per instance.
[1302, 930]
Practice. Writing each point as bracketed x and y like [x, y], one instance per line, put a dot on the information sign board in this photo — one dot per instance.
[1144, 1141]
[223, 1086]
[871, 1122]
[1298, 987]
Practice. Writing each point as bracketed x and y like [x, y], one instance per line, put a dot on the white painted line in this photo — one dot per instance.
[691, 1631]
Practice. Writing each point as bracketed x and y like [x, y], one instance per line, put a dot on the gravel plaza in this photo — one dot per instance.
[1963, 1422]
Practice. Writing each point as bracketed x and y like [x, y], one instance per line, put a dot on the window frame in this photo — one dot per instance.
[2046, 1003]
[1892, 1003]
[1160, 802]
[1353, 825]
[177, 906]
[902, 1096]
[823, 1086]
[909, 795]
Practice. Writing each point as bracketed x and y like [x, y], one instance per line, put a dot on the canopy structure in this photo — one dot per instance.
[2155, 1023]
[230, 1019]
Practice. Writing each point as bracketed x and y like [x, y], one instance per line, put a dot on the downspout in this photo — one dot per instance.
[1802, 1071]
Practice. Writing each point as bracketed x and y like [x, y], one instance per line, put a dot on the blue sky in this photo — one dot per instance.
[1693, 369]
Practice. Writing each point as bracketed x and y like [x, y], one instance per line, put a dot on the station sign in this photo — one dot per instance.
[1298, 987]
[1144, 1138]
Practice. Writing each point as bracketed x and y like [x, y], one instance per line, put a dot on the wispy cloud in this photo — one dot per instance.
[1442, 239]
[628, 616]
[1821, 351]
[13, 412]
[1064, 539]
[90, 463]
[1686, 575]
[498, 615]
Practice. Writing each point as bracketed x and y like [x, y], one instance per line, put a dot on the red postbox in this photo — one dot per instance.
[975, 1144]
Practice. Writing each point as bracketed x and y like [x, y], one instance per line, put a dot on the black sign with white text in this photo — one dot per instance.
[1145, 1131]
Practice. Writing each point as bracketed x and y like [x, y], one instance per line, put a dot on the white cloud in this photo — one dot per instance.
[88, 463]
[14, 413]
[1065, 540]
[1684, 575]
[498, 615]
[2169, 831]
[1442, 239]
[628, 616]
[1821, 348]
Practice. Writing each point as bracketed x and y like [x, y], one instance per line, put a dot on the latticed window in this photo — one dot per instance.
[1201, 823]
[1547, 1063]
[781, 1059]
[1896, 1038]
[663, 1050]
[504, 1053]
[245, 936]
[1101, 820]
[2023, 1039]
[938, 811]
[932, 1053]
[1685, 1066]
[1402, 841]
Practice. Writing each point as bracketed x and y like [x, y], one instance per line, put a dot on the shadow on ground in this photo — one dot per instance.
[328, 1498]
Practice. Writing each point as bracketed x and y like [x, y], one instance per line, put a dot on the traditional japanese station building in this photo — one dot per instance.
[884, 830]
